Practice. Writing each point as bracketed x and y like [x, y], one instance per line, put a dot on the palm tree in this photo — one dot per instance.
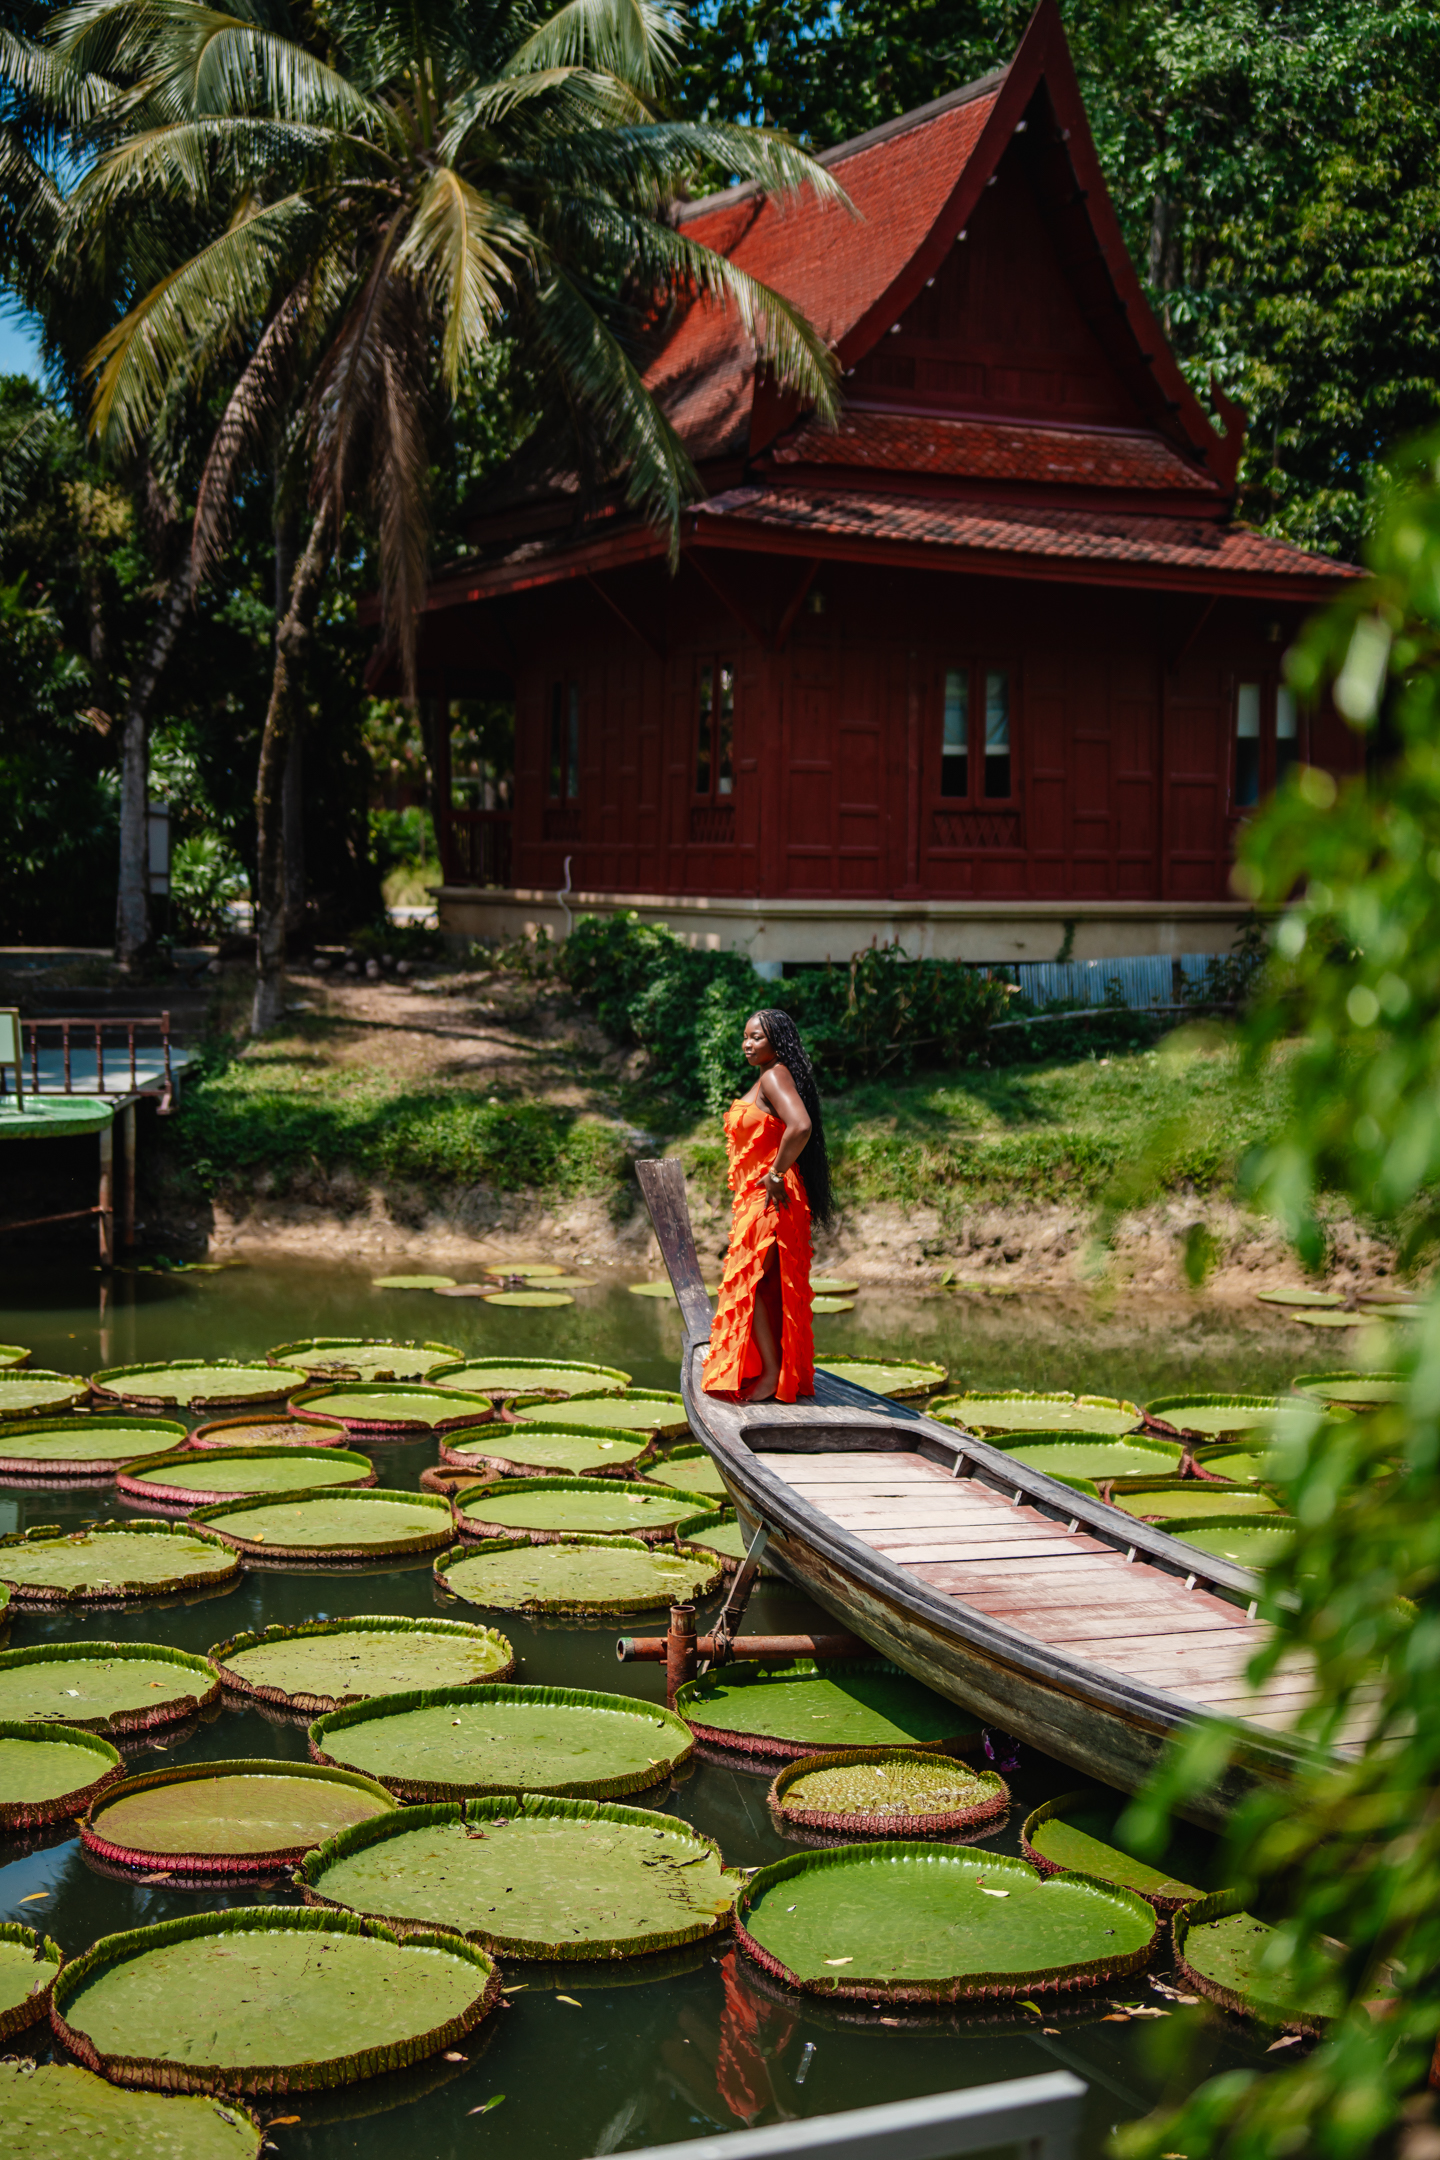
[389, 200]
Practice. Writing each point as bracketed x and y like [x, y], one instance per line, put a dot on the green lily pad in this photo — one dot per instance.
[1220, 1417]
[414, 1282]
[26, 1394]
[726, 1539]
[832, 1286]
[112, 1560]
[800, 1709]
[1055, 1842]
[267, 1999]
[1402, 1311]
[1017, 1410]
[500, 1377]
[1300, 1296]
[531, 1270]
[545, 1300]
[574, 1575]
[48, 1773]
[832, 1304]
[1098, 1459]
[13, 1355]
[363, 1357]
[461, 1743]
[886, 1376]
[199, 1386]
[1188, 1498]
[927, 1922]
[319, 1525]
[58, 2108]
[227, 1818]
[104, 1687]
[1332, 1319]
[1351, 1390]
[526, 1451]
[1222, 1467]
[1220, 1949]
[283, 1431]
[28, 1965]
[323, 1663]
[885, 1792]
[637, 1410]
[651, 1290]
[694, 1469]
[73, 1447]
[1245, 1539]
[195, 1478]
[392, 1406]
[532, 1877]
[545, 1508]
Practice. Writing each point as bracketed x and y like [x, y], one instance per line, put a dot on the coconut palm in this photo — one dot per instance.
[390, 200]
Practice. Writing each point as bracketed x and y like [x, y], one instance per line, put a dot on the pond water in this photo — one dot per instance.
[645, 2054]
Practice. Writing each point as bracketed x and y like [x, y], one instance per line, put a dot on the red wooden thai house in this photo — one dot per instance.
[992, 660]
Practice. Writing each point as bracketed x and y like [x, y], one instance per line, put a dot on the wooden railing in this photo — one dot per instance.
[475, 847]
[91, 1034]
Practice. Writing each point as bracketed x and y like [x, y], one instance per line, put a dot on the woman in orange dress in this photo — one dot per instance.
[762, 1347]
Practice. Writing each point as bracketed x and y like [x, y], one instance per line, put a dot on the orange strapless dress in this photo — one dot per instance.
[752, 1136]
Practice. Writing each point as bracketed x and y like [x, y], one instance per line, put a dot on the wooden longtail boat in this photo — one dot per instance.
[1053, 1617]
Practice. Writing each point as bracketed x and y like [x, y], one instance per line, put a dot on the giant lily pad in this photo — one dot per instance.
[887, 1376]
[525, 1451]
[1160, 1500]
[460, 1743]
[1221, 1950]
[526, 1270]
[55, 2108]
[267, 1999]
[38, 1393]
[391, 1406]
[1333, 1319]
[833, 1286]
[574, 1575]
[924, 1923]
[637, 1410]
[1233, 1466]
[112, 1560]
[28, 1965]
[726, 1539]
[1018, 1411]
[1055, 1840]
[414, 1282]
[323, 1663]
[505, 1377]
[885, 1792]
[1351, 1390]
[832, 1304]
[80, 1447]
[1300, 1296]
[362, 1357]
[272, 1431]
[540, 1300]
[13, 1356]
[198, 1479]
[105, 1687]
[546, 1508]
[801, 1709]
[1220, 1417]
[1099, 1459]
[315, 1524]
[1246, 1540]
[214, 1385]
[693, 1469]
[227, 1818]
[532, 1877]
[48, 1773]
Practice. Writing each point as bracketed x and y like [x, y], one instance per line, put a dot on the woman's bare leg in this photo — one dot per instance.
[762, 1388]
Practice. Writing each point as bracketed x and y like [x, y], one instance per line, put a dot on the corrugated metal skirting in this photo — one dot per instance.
[1150, 980]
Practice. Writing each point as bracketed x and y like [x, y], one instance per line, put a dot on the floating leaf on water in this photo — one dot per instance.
[59, 2108]
[28, 1965]
[1402, 1311]
[112, 1560]
[1232, 1466]
[413, 1282]
[364, 1357]
[651, 1289]
[200, 1385]
[393, 1406]
[175, 2006]
[546, 1299]
[1247, 1540]
[320, 1525]
[227, 1818]
[1332, 1319]
[532, 1270]
[25, 1394]
[1351, 1390]
[928, 1932]
[197, 1478]
[692, 1468]
[1019, 1410]
[640, 1410]
[275, 1430]
[321, 1664]
[1219, 1948]
[106, 1687]
[1098, 1459]
[727, 1539]
[833, 1305]
[832, 1286]
[886, 1792]
[1056, 1841]
[799, 1709]
[551, 1507]
[460, 1744]
[525, 1450]
[1298, 1295]
[1221, 1417]
[888, 1376]
[13, 1356]
[503, 1377]
[530, 1877]
[84, 1446]
[1158, 1502]
[47, 1774]
[575, 1575]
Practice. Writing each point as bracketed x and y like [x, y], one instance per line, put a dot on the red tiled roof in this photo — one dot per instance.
[1178, 551]
[995, 450]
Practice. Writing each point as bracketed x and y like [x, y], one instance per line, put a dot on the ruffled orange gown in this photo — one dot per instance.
[752, 1136]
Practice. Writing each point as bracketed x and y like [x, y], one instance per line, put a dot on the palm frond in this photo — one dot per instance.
[570, 98]
[647, 165]
[636, 40]
[186, 160]
[457, 248]
[252, 403]
[49, 84]
[199, 60]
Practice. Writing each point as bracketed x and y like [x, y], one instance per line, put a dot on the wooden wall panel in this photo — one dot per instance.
[1196, 755]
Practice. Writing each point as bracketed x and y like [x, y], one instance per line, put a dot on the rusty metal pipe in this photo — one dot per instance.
[655, 1649]
[678, 1650]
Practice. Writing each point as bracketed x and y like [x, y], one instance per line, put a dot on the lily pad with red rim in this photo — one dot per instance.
[112, 1560]
[27, 1393]
[325, 1525]
[322, 1664]
[398, 1408]
[28, 1965]
[88, 1446]
[786, 1711]
[58, 2107]
[1220, 1949]
[532, 1877]
[903, 1381]
[175, 2006]
[886, 1792]
[528, 1451]
[1220, 1417]
[1100, 1460]
[1225, 1467]
[653, 1411]
[1021, 1410]
[213, 1385]
[462, 1743]
[1351, 1390]
[272, 1431]
[503, 1378]
[200, 1478]
[49, 1773]
[582, 1575]
[362, 1357]
[227, 1818]
[1059, 1838]
[104, 1687]
[552, 1507]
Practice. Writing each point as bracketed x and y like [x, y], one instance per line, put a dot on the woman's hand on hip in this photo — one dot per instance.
[775, 1193]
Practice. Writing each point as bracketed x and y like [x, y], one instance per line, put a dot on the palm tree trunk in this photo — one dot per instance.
[291, 638]
[132, 905]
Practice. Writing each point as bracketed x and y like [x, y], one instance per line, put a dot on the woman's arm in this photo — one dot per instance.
[782, 1098]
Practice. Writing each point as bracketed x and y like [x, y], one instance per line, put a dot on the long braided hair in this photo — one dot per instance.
[813, 1164]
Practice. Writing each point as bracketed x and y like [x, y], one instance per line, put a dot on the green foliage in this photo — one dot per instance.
[205, 876]
[1352, 1850]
